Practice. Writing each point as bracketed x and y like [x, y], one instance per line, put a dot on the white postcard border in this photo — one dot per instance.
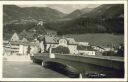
[61, 2]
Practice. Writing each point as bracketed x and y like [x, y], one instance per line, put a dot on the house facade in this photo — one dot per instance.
[86, 50]
[83, 43]
[17, 46]
[53, 42]
[102, 49]
[98, 48]
[70, 43]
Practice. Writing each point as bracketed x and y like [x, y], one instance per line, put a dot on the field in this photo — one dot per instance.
[99, 39]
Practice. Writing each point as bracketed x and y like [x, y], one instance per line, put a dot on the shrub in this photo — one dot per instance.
[120, 51]
[108, 53]
[61, 50]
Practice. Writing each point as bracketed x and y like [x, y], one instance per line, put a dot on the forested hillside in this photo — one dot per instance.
[108, 18]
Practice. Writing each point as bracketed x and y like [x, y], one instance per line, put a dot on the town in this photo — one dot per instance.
[48, 43]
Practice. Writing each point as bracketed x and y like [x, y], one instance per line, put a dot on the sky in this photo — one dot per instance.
[65, 8]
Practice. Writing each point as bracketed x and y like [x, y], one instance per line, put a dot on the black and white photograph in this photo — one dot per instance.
[76, 41]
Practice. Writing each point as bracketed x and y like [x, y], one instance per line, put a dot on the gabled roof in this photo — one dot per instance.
[55, 40]
[71, 41]
[15, 37]
[49, 39]
[24, 40]
[86, 48]
[22, 43]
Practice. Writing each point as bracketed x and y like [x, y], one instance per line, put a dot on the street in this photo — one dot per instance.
[27, 69]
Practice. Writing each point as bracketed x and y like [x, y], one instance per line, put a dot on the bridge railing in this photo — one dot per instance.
[114, 58]
[106, 61]
[111, 62]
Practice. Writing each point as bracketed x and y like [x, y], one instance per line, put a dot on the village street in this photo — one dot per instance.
[27, 69]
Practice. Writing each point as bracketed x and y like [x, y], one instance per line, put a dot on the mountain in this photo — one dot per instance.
[106, 11]
[14, 13]
[74, 14]
[107, 18]
[78, 12]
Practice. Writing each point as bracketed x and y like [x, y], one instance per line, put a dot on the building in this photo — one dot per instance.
[5, 43]
[41, 22]
[102, 49]
[85, 50]
[17, 46]
[98, 48]
[53, 42]
[83, 43]
[21, 48]
[51, 33]
[15, 37]
[14, 47]
[70, 43]
[50, 42]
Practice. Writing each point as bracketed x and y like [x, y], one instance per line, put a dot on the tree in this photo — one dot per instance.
[120, 51]
[61, 50]
[108, 53]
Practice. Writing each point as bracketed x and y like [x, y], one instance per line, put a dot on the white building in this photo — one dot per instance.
[70, 43]
[15, 37]
[18, 46]
[23, 49]
[83, 43]
[53, 42]
[41, 22]
[98, 48]
[86, 50]
[102, 49]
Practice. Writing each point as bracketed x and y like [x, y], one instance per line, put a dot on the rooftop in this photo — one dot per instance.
[89, 48]
[22, 43]
[55, 40]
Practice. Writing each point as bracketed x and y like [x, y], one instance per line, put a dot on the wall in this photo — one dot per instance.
[73, 49]
[23, 49]
[101, 60]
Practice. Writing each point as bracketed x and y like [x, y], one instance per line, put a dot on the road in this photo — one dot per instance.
[27, 69]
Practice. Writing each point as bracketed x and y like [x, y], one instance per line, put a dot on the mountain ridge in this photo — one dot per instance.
[102, 19]
[78, 12]
[13, 12]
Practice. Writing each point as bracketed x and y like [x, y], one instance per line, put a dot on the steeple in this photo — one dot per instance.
[40, 27]
[41, 22]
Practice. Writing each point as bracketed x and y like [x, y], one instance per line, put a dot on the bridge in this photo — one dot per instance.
[109, 65]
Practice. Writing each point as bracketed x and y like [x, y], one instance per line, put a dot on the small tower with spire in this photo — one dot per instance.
[40, 27]
[41, 22]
